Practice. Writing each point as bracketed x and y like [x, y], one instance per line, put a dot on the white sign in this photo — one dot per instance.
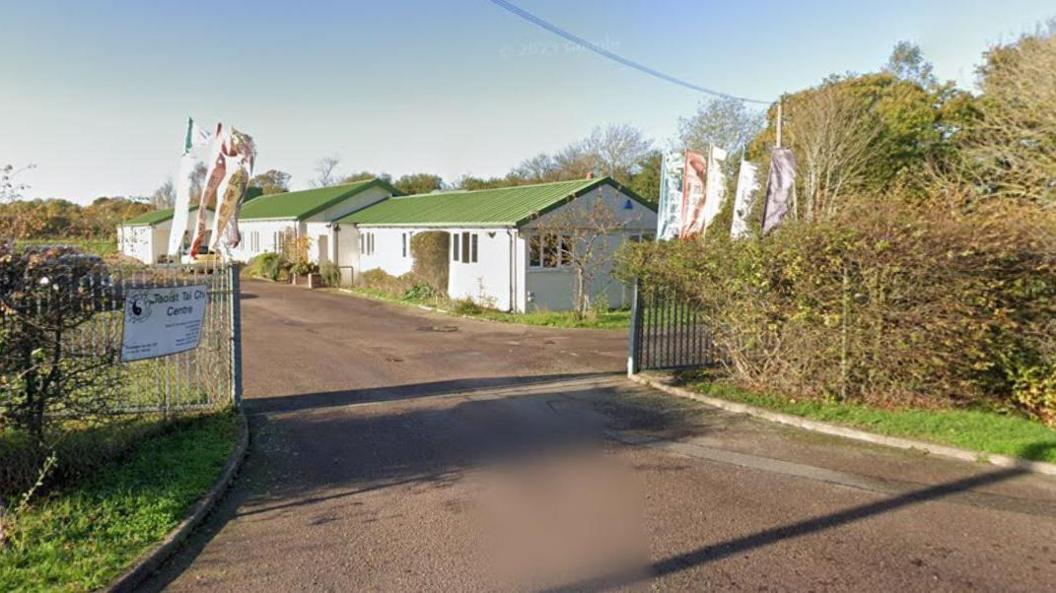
[163, 321]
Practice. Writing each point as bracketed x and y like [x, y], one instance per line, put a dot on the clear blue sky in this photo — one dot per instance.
[96, 93]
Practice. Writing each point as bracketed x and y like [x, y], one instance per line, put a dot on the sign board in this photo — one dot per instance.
[161, 321]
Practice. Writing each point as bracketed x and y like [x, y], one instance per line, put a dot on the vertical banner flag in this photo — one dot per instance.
[231, 157]
[779, 188]
[705, 190]
[669, 209]
[239, 154]
[194, 141]
[747, 185]
[693, 194]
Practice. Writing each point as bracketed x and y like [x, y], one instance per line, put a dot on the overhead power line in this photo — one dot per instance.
[531, 18]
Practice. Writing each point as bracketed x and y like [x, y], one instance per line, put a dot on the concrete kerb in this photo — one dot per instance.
[152, 560]
[1038, 467]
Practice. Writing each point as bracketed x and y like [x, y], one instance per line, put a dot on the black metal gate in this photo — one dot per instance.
[667, 331]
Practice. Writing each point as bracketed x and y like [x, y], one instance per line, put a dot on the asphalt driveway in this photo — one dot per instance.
[399, 450]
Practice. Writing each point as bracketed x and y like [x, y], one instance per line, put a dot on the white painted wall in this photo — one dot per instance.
[316, 226]
[388, 253]
[490, 279]
[265, 232]
[553, 289]
[501, 277]
[143, 242]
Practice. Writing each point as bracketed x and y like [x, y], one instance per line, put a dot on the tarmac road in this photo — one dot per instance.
[399, 450]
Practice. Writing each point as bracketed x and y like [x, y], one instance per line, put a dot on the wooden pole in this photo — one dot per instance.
[779, 118]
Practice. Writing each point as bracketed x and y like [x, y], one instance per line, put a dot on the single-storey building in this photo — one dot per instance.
[265, 221]
[510, 248]
[146, 237]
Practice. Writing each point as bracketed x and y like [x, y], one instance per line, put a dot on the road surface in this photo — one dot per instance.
[399, 450]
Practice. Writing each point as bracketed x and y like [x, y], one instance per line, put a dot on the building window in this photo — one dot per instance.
[550, 250]
[370, 243]
[473, 248]
[254, 241]
[280, 241]
[454, 246]
[465, 247]
[404, 244]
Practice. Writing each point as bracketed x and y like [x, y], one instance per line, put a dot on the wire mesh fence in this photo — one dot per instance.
[65, 321]
[667, 331]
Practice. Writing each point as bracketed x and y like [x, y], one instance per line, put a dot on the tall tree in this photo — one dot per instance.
[907, 63]
[618, 149]
[646, 180]
[271, 181]
[164, 196]
[326, 171]
[418, 183]
[723, 122]
[1010, 147]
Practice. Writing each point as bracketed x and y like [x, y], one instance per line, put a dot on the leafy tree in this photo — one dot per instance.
[164, 196]
[725, 123]
[617, 149]
[907, 63]
[363, 176]
[271, 181]
[646, 181]
[1009, 148]
[418, 183]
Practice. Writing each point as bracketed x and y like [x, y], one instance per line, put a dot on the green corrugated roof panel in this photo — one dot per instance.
[302, 204]
[154, 217]
[507, 206]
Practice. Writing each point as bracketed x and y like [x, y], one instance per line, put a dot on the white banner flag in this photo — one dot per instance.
[669, 209]
[747, 185]
[231, 158]
[195, 142]
[779, 188]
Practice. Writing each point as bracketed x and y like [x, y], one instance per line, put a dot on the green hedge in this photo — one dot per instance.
[886, 303]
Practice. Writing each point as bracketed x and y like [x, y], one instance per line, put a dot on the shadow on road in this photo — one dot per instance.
[718, 551]
[313, 401]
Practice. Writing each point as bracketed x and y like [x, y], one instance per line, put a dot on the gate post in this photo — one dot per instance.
[634, 345]
[234, 294]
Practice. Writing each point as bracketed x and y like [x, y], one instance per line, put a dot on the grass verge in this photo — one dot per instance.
[615, 319]
[85, 534]
[979, 430]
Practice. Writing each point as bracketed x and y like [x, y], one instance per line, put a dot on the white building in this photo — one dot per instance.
[509, 247]
[146, 237]
[265, 221]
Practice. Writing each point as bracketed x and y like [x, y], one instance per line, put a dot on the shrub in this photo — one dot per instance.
[383, 282]
[421, 291]
[331, 273]
[270, 266]
[886, 303]
[466, 306]
[431, 258]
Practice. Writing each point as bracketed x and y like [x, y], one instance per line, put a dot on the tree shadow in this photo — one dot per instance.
[326, 399]
[731, 547]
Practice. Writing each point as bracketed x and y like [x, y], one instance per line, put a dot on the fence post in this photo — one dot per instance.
[633, 364]
[236, 334]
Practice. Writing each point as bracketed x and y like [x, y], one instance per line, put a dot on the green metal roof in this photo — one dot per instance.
[154, 217]
[507, 206]
[303, 204]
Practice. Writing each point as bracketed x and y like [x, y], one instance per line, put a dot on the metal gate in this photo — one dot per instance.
[667, 331]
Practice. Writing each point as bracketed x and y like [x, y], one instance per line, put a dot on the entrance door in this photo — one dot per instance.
[323, 255]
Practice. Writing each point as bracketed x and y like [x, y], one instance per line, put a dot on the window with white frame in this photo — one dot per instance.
[254, 241]
[404, 236]
[279, 240]
[464, 247]
[366, 243]
[550, 250]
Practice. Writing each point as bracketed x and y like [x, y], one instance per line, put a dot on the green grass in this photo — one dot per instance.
[979, 430]
[615, 319]
[84, 535]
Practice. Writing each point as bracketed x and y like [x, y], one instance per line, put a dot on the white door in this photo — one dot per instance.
[324, 251]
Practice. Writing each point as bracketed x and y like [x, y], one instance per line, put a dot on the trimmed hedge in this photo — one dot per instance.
[887, 303]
